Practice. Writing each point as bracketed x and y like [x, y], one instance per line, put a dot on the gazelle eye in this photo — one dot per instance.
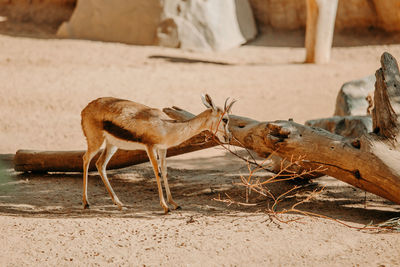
[225, 120]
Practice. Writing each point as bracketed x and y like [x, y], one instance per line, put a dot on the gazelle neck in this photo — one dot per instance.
[183, 131]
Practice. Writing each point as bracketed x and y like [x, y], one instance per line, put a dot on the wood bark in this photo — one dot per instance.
[371, 162]
[321, 15]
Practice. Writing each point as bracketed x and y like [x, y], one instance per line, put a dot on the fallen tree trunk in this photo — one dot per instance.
[371, 162]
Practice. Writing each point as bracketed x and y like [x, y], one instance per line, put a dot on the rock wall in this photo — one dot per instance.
[278, 14]
[51, 12]
[188, 24]
[132, 22]
[388, 12]
[291, 14]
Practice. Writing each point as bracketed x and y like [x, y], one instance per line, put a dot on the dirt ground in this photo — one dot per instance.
[46, 82]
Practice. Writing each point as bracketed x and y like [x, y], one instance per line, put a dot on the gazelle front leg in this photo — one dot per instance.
[162, 153]
[152, 156]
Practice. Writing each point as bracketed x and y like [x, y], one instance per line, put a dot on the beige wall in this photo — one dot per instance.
[280, 14]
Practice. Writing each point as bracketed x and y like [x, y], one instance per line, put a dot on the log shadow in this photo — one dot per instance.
[58, 195]
[340, 201]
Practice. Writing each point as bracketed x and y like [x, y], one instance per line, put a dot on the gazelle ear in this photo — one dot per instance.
[207, 101]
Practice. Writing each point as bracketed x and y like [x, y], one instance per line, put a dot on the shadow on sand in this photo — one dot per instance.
[194, 187]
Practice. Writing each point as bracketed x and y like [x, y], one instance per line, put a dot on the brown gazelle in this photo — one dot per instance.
[128, 125]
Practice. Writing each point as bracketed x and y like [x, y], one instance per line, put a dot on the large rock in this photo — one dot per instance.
[348, 126]
[189, 24]
[351, 99]
[133, 22]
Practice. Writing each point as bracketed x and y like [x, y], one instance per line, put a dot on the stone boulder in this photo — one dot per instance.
[352, 97]
[348, 126]
[189, 24]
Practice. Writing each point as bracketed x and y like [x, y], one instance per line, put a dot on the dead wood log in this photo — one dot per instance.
[385, 114]
[71, 161]
[371, 162]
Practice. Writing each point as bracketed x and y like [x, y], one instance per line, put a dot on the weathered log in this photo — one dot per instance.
[71, 161]
[321, 15]
[385, 114]
[371, 162]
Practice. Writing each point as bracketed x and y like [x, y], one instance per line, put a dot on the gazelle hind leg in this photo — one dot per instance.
[101, 165]
[93, 148]
[162, 153]
[152, 156]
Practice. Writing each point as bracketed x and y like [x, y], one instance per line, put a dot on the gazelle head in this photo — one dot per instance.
[219, 119]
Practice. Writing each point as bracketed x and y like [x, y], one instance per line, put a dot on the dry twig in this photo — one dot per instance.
[284, 174]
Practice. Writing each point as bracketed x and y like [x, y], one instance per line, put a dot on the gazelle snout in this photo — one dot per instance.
[223, 134]
[226, 138]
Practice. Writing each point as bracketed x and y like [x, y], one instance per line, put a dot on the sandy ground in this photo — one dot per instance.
[45, 83]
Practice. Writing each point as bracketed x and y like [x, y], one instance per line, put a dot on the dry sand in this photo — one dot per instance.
[46, 82]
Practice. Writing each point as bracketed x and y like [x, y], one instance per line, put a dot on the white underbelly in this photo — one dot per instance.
[126, 145]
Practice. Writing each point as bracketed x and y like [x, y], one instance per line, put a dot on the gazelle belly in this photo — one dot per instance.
[123, 144]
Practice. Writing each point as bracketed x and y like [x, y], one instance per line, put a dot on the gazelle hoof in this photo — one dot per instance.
[178, 208]
[120, 206]
[86, 206]
[166, 210]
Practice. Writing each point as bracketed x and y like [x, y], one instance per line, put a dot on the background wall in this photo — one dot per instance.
[278, 14]
[291, 14]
